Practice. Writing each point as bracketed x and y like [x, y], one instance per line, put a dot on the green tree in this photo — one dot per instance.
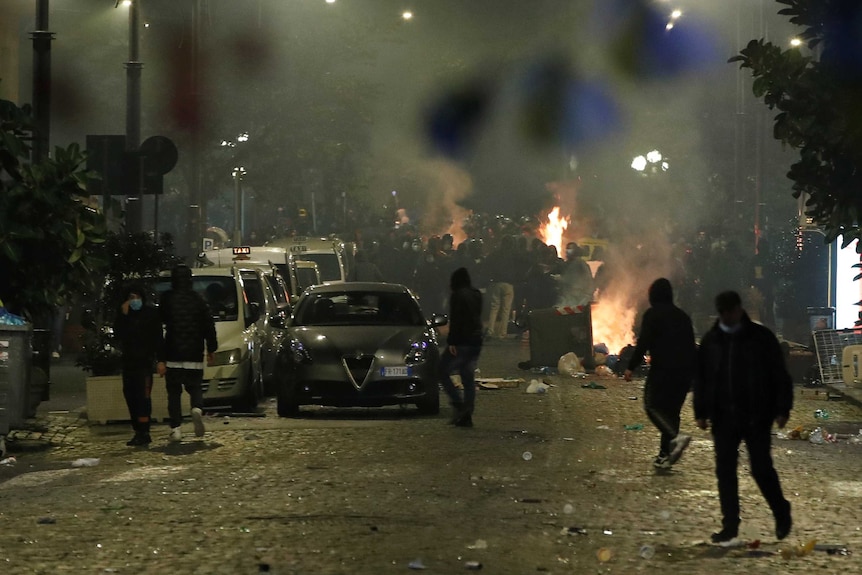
[816, 98]
[49, 235]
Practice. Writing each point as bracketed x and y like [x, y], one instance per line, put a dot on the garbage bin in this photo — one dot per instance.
[820, 318]
[555, 332]
[15, 356]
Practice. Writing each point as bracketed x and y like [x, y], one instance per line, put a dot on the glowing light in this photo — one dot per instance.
[796, 42]
[654, 157]
[676, 14]
[613, 322]
[669, 26]
[330, 1]
[407, 15]
[847, 291]
[127, 3]
[551, 232]
[639, 163]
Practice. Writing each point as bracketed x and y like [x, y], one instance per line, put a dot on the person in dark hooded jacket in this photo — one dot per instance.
[464, 344]
[742, 387]
[189, 332]
[138, 330]
[666, 332]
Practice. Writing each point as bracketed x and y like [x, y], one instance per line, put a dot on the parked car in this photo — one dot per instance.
[236, 378]
[359, 344]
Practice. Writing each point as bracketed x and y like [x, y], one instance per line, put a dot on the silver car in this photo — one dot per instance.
[359, 344]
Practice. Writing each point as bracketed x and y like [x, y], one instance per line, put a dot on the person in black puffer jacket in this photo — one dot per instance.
[742, 386]
[666, 332]
[189, 327]
[138, 330]
[464, 344]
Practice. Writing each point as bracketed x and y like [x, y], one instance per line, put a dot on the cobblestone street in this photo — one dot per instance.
[543, 483]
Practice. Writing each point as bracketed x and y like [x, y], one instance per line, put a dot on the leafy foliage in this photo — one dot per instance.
[49, 235]
[130, 258]
[816, 100]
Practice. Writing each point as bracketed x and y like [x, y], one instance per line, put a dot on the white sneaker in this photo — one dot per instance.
[197, 419]
[677, 446]
[176, 435]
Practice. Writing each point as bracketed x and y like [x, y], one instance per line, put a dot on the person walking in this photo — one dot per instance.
[666, 332]
[138, 331]
[742, 386]
[502, 269]
[463, 346]
[189, 328]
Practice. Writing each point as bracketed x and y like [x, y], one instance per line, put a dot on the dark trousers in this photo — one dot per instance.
[464, 362]
[758, 441]
[137, 386]
[176, 379]
[664, 395]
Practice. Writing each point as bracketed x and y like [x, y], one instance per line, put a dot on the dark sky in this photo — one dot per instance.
[257, 48]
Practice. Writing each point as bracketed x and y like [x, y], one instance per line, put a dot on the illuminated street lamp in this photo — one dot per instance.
[407, 15]
[796, 42]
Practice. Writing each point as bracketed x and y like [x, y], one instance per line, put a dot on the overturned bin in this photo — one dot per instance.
[16, 349]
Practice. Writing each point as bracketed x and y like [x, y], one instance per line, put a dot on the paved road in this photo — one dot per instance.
[370, 491]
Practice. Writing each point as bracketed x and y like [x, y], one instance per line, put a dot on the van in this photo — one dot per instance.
[298, 274]
[236, 377]
[327, 253]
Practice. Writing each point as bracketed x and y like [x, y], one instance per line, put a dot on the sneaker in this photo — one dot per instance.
[139, 440]
[724, 536]
[662, 462]
[176, 435]
[677, 446]
[197, 419]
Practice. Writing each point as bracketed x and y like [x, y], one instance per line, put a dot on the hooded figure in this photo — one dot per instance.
[667, 334]
[138, 332]
[464, 344]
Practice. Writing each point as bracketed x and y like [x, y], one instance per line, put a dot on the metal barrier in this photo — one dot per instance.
[829, 345]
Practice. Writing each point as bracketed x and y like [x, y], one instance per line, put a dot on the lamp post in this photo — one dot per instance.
[41, 83]
[238, 173]
[134, 210]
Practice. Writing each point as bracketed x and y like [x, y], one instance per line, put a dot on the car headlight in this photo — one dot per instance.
[299, 352]
[418, 353]
[227, 357]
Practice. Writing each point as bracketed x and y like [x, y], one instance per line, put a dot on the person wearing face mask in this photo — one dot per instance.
[742, 387]
[138, 330]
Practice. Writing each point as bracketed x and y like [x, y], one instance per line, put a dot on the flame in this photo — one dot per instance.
[551, 232]
[613, 322]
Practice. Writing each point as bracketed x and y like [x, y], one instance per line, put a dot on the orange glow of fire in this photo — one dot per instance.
[551, 232]
[613, 322]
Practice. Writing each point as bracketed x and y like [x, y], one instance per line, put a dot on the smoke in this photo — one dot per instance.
[444, 186]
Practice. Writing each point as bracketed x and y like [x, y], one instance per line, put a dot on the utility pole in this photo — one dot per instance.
[41, 83]
[196, 213]
[134, 209]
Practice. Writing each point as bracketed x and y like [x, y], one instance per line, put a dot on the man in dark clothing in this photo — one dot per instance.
[188, 327]
[742, 386]
[667, 334]
[464, 344]
[138, 330]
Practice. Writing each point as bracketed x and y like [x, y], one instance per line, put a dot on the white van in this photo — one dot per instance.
[236, 377]
[297, 273]
[327, 253]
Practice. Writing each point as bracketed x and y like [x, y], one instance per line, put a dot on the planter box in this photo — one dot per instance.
[105, 401]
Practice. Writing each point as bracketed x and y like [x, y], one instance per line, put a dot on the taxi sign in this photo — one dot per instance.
[242, 250]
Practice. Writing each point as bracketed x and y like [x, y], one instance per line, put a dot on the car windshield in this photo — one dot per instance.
[305, 277]
[327, 264]
[218, 291]
[359, 308]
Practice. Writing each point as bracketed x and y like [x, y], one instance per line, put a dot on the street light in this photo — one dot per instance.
[237, 173]
[796, 42]
[407, 15]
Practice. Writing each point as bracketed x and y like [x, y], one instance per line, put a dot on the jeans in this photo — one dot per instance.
[137, 386]
[501, 295]
[464, 362]
[727, 436]
[176, 379]
[664, 395]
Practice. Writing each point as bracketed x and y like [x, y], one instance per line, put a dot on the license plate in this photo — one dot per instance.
[402, 371]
